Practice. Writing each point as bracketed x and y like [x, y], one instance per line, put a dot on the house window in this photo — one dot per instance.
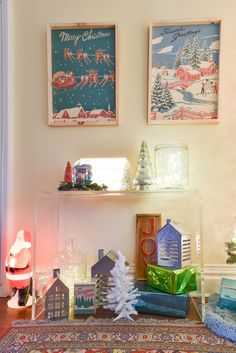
[57, 296]
[50, 306]
[57, 313]
[57, 305]
[50, 315]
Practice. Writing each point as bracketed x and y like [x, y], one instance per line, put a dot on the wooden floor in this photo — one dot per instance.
[8, 315]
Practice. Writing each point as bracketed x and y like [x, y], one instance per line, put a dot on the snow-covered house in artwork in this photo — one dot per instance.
[187, 73]
[207, 68]
[173, 247]
[72, 113]
[99, 113]
[56, 299]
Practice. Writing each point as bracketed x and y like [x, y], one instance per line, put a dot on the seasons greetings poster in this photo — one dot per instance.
[184, 73]
[82, 74]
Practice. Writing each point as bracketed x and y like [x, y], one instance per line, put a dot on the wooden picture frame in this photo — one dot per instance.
[147, 226]
[184, 60]
[82, 74]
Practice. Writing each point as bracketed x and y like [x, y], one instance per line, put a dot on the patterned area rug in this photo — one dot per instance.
[82, 337]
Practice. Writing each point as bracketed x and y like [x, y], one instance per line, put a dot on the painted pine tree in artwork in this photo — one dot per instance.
[168, 99]
[157, 95]
[178, 59]
[196, 53]
[205, 51]
[186, 52]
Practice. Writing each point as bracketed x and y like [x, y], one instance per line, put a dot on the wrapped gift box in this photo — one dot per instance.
[228, 294]
[178, 281]
[154, 301]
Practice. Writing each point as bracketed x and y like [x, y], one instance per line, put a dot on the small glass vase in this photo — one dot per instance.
[171, 164]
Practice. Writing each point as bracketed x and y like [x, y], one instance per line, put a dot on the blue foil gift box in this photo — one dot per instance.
[228, 294]
[154, 301]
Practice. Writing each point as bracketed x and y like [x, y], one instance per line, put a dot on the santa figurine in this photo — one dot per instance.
[19, 270]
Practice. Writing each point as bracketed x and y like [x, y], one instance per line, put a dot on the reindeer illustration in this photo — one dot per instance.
[68, 54]
[82, 56]
[100, 57]
[107, 78]
[90, 79]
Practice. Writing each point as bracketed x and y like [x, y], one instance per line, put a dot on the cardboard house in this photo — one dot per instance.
[101, 272]
[104, 265]
[173, 247]
[56, 299]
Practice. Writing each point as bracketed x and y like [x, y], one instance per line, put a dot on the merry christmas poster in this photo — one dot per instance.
[82, 75]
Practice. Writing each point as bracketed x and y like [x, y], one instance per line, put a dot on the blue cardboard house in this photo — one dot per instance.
[173, 247]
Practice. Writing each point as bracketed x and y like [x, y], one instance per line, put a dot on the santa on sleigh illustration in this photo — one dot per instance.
[19, 270]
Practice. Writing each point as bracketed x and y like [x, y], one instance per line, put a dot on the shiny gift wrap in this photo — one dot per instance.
[154, 301]
[178, 281]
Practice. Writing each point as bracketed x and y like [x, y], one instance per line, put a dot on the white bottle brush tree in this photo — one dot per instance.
[121, 296]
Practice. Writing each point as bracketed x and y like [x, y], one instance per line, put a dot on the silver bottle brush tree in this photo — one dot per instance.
[144, 175]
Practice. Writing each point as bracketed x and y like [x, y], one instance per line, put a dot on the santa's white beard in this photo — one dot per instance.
[18, 245]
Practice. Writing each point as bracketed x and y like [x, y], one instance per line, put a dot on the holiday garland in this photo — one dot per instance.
[81, 186]
[231, 252]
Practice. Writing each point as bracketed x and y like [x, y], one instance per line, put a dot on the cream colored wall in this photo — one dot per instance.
[40, 151]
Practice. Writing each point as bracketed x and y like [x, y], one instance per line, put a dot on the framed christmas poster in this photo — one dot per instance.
[184, 72]
[82, 74]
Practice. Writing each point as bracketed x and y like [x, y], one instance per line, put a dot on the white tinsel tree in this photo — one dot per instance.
[121, 296]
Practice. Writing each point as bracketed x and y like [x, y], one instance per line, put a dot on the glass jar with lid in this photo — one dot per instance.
[171, 165]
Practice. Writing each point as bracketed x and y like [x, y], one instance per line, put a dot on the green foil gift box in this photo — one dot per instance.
[178, 281]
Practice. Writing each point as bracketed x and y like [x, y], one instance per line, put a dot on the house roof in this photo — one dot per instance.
[177, 228]
[207, 64]
[50, 283]
[97, 111]
[105, 264]
[73, 112]
[185, 67]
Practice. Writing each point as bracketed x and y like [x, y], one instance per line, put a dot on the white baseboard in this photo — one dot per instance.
[213, 275]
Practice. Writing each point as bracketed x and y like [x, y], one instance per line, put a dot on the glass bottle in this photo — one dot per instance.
[72, 264]
[171, 164]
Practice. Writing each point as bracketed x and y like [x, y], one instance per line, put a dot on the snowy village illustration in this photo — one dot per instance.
[82, 75]
[184, 68]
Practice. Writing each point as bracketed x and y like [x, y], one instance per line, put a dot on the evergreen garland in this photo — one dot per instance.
[82, 186]
[231, 252]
